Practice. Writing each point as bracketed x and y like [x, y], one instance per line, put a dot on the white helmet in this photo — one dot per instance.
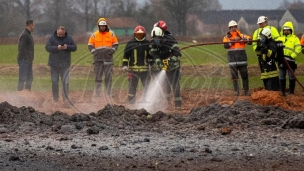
[157, 32]
[266, 32]
[262, 19]
[232, 23]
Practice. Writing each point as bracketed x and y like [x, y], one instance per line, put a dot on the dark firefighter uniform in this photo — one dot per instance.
[165, 52]
[237, 59]
[267, 53]
[136, 58]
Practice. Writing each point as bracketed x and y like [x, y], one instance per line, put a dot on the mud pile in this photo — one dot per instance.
[242, 136]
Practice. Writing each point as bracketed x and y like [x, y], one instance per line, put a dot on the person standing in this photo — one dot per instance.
[263, 23]
[102, 44]
[136, 62]
[267, 52]
[166, 53]
[237, 57]
[292, 48]
[26, 56]
[60, 45]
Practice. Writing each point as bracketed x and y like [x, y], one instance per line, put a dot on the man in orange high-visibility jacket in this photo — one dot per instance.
[102, 44]
[237, 57]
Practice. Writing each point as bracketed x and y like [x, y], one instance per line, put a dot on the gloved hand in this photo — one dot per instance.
[125, 68]
[94, 52]
[111, 51]
[159, 64]
[229, 34]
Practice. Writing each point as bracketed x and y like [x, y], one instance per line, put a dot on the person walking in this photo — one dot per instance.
[263, 23]
[102, 44]
[267, 52]
[165, 52]
[60, 45]
[237, 57]
[292, 48]
[136, 62]
[26, 56]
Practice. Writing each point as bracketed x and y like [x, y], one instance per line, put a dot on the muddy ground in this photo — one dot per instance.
[213, 131]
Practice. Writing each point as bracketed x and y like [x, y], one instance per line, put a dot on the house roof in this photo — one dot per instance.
[123, 22]
[251, 16]
[297, 14]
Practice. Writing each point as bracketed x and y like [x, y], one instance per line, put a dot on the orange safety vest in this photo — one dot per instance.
[103, 39]
[236, 46]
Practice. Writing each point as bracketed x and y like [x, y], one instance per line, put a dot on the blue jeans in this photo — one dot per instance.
[63, 73]
[282, 74]
[25, 74]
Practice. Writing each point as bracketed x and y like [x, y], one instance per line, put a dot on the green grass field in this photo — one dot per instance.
[209, 55]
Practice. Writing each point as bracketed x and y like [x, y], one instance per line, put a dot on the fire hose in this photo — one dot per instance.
[292, 73]
[165, 61]
[244, 41]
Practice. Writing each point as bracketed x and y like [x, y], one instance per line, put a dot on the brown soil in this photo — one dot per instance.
[214, 130]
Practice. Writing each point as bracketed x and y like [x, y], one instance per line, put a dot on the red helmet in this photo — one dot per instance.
[161, 24]
[139, 33]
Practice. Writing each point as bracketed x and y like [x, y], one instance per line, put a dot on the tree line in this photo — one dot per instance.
[80, 16]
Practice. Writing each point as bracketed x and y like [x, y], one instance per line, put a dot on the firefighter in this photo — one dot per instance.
[102, 44]
[136, 62]
[263, 23]
[292, 48]
[237, 57]
[266, 51]
[165, 52]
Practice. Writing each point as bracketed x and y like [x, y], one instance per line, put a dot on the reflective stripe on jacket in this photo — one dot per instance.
[291, 42]
[236, 51]
[256, 35]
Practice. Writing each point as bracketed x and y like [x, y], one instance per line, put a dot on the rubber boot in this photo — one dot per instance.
[235, 87]
[97, 90]
[292, 85]
[246, 87]
[283, 86]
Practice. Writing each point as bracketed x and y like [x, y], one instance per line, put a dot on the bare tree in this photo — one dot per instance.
[126, 8]
[180, 10]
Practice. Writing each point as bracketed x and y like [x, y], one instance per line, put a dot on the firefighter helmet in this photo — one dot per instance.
[262, 19]
[266, 32]
[139, 33]
[232, 23]
[157, 32]
[161, 24]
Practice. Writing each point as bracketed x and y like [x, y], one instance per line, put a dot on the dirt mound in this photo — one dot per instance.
[214, 131]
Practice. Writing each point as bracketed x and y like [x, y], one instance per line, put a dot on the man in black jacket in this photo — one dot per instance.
[26, 56]
[60, 46]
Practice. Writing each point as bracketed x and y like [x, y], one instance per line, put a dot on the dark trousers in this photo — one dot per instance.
[235, 69]
[134, 78]
[25, 74]
[63, 73]
[101, 68]
[271, 83]
[172, 81]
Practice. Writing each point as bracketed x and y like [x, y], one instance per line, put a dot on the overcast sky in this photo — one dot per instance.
[251, 4]
[247, 4]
